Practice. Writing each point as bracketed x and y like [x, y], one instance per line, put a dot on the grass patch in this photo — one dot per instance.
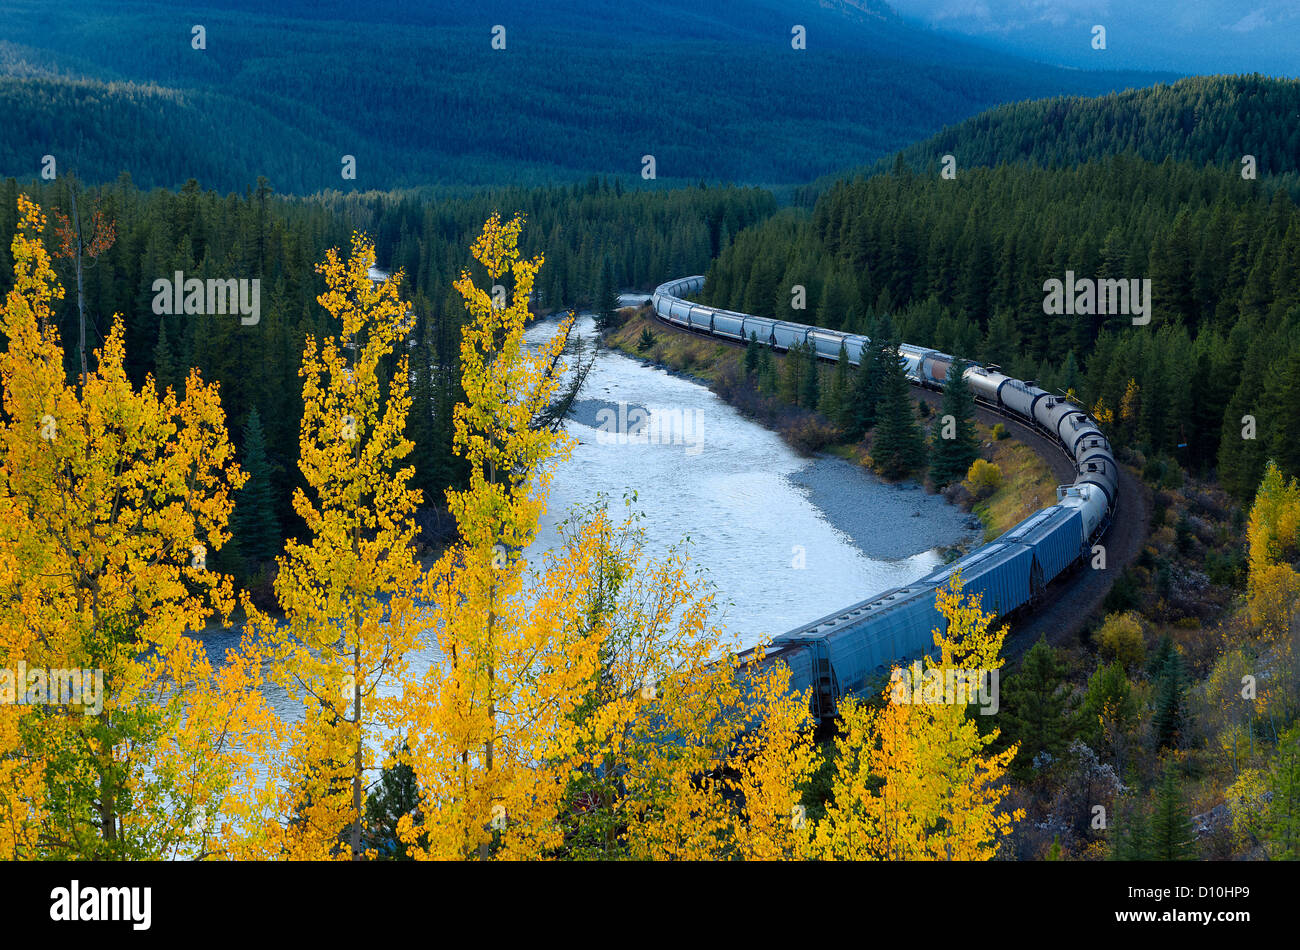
[1028, 485]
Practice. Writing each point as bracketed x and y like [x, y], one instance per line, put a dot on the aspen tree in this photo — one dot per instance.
[916, 780]
[110, 499]
[487, 728]
[348, 593]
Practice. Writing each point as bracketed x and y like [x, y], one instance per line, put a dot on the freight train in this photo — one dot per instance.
[846, 653]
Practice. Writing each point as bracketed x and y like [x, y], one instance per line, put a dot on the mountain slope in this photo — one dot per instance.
[1202, 119]
[419, 96]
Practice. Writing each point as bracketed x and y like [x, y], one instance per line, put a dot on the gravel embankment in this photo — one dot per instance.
[886, 521]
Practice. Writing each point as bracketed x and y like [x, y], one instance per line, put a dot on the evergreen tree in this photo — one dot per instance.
[1172, 836]
[753, 354]
[397, 794]
[957, 447]
[835, 397]
[1036, 708]
[897, 443]
[872, 364]
[606, 296]
[810, 385]
[1132, 835]
[254, 522]
[165, 372]
[1169, 677]
[792, 376]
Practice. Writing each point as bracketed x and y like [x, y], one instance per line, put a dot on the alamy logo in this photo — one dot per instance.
[41, 687]
[1106, 296]
[638, 426]
[945, 687]
[103, 903]
[211, 297]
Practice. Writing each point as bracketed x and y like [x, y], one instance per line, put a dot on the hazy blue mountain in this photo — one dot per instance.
[416, 92]
[1207, 36]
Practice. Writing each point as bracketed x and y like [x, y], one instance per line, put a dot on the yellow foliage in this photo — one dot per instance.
[914, 780]
[1120, 638]
[110, 499]
[348, 595]
[983, 478]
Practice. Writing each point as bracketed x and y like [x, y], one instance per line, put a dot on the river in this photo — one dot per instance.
[783, 539]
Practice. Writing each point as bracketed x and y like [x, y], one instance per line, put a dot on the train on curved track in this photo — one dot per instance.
[845, 653]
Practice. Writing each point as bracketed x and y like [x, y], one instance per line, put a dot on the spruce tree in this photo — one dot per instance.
[606, 302]
[956, 446]
[164, 361]
[1132, 834]
[1169, 678]
[897, 444]
[1172, 836]
[1035, 708]
[753, 353]
[810, 385]
[254, 521]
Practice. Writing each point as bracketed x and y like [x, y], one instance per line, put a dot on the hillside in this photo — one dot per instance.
[420, 97]
[1202, 119]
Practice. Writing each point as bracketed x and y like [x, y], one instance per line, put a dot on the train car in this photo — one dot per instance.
[1054, 413]
[1077, 429]
[760, 328]
[999, 573]
[855, 343]
[911, 357]
[1019, 397]
[1100, 470]
[729, 324]
[789, 334]
[1056, 536]
[827, 342]
[1091, 444]
[985, 383]
[934, 369]
[862, 641]
[1092, 504]
[700, 318]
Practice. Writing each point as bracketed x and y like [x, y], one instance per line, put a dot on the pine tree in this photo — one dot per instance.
[810, 385]
[1036, 704]
[1172, 837]
[957, 447]
[255, 523]
[897, 443]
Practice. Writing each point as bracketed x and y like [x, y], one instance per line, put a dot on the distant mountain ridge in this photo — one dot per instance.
[419, 96]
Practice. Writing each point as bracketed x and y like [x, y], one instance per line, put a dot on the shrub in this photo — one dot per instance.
[983, 478]
[999, 431]
[809, 433]
[1120, 638]
[647, 340]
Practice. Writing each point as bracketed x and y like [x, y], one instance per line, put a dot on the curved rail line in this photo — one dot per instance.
[844, 653]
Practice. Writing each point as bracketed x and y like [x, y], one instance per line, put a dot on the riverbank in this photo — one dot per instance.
[1028, 482]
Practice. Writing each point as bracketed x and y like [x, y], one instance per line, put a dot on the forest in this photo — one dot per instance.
[419, 96]
[604, 239]
[1201, 119]
[960, 265]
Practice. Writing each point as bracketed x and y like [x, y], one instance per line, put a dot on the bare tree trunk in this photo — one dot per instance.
[81, 291]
